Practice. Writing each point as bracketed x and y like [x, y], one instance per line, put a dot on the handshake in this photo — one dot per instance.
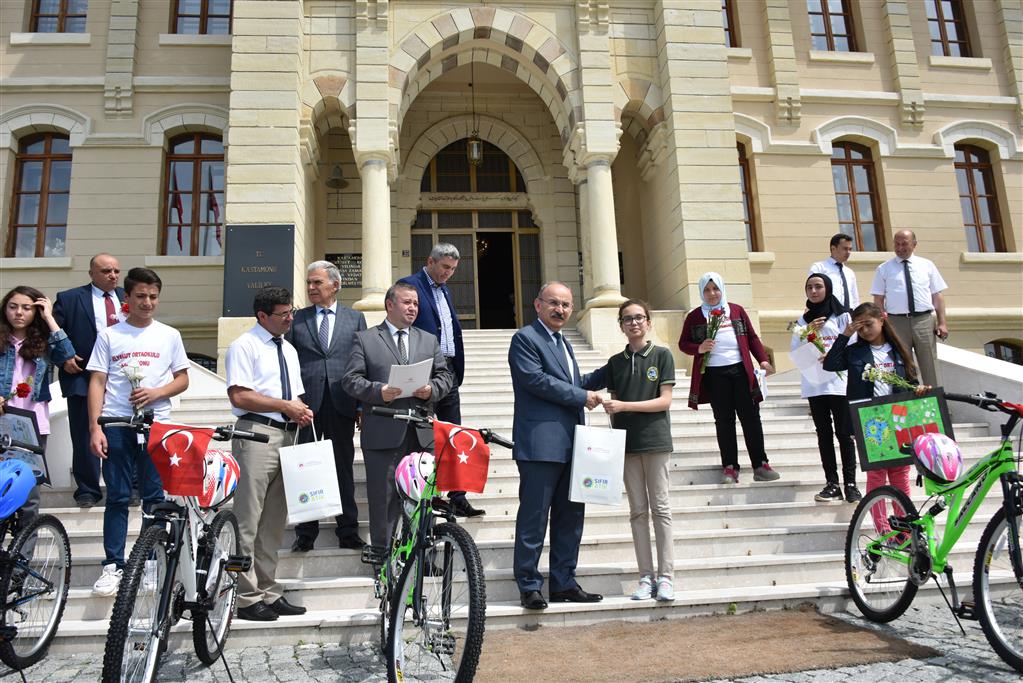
[593, 399]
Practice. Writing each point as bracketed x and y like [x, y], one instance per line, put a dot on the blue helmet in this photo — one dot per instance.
[16, 481]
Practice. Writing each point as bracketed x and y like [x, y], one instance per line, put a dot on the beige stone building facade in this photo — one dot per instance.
[629, 146]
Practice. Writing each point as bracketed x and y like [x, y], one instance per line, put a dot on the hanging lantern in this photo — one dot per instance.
[474, 149]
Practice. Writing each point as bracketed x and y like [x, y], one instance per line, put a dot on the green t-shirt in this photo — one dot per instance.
[639, 377]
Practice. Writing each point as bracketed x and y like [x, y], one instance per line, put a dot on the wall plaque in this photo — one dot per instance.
[350, 266]
[256, 256]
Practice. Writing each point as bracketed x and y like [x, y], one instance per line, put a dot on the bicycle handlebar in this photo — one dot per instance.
[986, 401]
[7, 443]
[418, 416]
[144, 421]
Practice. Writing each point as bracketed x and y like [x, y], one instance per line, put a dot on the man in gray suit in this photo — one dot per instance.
[386, 441]
[323, 334]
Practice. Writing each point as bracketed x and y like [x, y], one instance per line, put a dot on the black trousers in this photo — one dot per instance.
[341, 431]
[730, 397]
[824, 409]
[449, 409]
[84, 465]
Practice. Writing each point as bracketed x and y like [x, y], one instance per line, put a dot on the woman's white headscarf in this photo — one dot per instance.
[720, 282]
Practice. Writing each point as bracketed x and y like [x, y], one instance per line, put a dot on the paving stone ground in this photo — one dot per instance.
[968, 658]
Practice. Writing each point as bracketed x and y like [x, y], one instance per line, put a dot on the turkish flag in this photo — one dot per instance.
[179, 454]
[463, 459]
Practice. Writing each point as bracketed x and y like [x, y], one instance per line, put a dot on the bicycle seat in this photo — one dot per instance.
[16, 482]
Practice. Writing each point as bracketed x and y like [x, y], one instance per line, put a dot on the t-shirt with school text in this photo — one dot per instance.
[639, 377]
[883, 360]
[156, 350]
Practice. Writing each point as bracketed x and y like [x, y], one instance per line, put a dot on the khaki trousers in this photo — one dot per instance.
[646, 485]
[917, 334]
[262, 511]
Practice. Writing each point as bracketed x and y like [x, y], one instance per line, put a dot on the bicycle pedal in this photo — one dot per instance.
[237, 563]
[967, 610]
[374, 555]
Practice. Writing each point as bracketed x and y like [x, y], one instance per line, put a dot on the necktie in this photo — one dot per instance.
[564, 352]
[845, 285]
[909, 286]
[324, 333]
[285, 382]
[111, 313]
[402, 351]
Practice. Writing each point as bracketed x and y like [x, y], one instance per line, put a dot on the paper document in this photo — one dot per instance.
[807, 359]
[762, 381]
[408, 378]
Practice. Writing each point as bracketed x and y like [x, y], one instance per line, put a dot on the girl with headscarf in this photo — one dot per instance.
[729, 382]
[826, 317]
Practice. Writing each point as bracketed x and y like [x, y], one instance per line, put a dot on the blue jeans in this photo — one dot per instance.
[125, 457]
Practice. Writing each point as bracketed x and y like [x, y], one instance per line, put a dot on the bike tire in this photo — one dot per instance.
[50, 563]
[399, 534]
[446, 645]
[1000, 608]
[225, 529]
[880, 586]
[136, 613]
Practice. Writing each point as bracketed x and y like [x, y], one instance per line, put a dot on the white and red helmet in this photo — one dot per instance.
[221, 478]
[938, 457]
[411, 474]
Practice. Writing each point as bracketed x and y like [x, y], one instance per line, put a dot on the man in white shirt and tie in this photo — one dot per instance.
[909, 288]
[843, 279]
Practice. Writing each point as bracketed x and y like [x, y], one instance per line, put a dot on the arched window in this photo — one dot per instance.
[1006, 350]
[946, 22]
[450, 171]
[193, 215]
[58, 16]
[748, 199]
[978, 199]
[852, 170]
[39, 201]
[202, 17]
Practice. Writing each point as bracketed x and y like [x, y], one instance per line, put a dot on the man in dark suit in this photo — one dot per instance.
[386, 441]
[82, 312]
[323, 334]
[550, 396]
[437, 315]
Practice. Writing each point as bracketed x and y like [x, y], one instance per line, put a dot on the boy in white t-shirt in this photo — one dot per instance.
[145, 348]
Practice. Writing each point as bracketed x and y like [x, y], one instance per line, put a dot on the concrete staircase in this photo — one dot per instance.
[750, 546]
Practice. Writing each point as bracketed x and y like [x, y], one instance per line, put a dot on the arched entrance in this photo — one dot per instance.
[483, 210]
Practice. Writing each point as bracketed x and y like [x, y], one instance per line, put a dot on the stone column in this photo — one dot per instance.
[603, 237]
[578, 176]
[376, 232]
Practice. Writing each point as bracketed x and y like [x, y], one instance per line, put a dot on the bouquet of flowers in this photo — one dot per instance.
[809, 335]
[134, 374]
[875, 374]
[22, 389]
[717, 316]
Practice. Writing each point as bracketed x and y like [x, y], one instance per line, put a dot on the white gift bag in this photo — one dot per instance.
[598, 465]
[310, 481]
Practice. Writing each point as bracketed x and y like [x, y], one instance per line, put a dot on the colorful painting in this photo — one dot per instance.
[21, 426]
[885, 427]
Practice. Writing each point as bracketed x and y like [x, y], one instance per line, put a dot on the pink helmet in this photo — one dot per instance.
[221, 478]
[938, 457]
[411, 474]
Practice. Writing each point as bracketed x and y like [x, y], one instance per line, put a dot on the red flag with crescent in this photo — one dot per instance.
[463, 459]
[179, 454]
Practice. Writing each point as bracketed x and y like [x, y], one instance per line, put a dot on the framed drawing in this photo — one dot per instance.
[20, 425]
[882, 426]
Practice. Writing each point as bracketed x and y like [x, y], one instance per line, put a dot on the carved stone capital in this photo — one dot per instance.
[371, 14]
[592, 16]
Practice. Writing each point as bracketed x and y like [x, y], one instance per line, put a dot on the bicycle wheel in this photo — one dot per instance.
[439, 609]
[137, 629]
[877, 559]
[210, 641]
[35, 589]
[997, 593]
[399, 535]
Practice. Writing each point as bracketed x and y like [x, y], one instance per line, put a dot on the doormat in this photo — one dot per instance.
[692, 649]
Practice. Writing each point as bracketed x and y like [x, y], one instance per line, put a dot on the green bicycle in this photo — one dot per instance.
[891, 549]
[430, 584]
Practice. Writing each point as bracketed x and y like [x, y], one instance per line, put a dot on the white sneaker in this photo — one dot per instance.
[645, 591]
[149, 576]
[665, 591]
[108, 582]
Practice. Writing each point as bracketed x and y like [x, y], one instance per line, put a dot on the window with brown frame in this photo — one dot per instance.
[450, 171]
[193, 214]
[39, 201]
[58, 16]
[978, 199]
[202, 17]
[748, 214]
[852, 171]
[831, 25]
[728, 19]
[946, 23]
[1005, 350]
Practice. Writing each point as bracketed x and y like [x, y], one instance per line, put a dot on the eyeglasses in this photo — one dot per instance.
[633, 319]
[285, 314]
[554, 303]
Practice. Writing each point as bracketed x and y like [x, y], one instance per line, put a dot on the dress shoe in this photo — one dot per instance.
[533, 600]
[463, 508]
[302, 545]
[257, 612]
[134, 501]
[351, 543]
[285, 608]
[576, 594]
[87, 501]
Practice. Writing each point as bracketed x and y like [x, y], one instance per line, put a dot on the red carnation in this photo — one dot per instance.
[718, 311]
[124, 308]
[811, 337]
[23, 390]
